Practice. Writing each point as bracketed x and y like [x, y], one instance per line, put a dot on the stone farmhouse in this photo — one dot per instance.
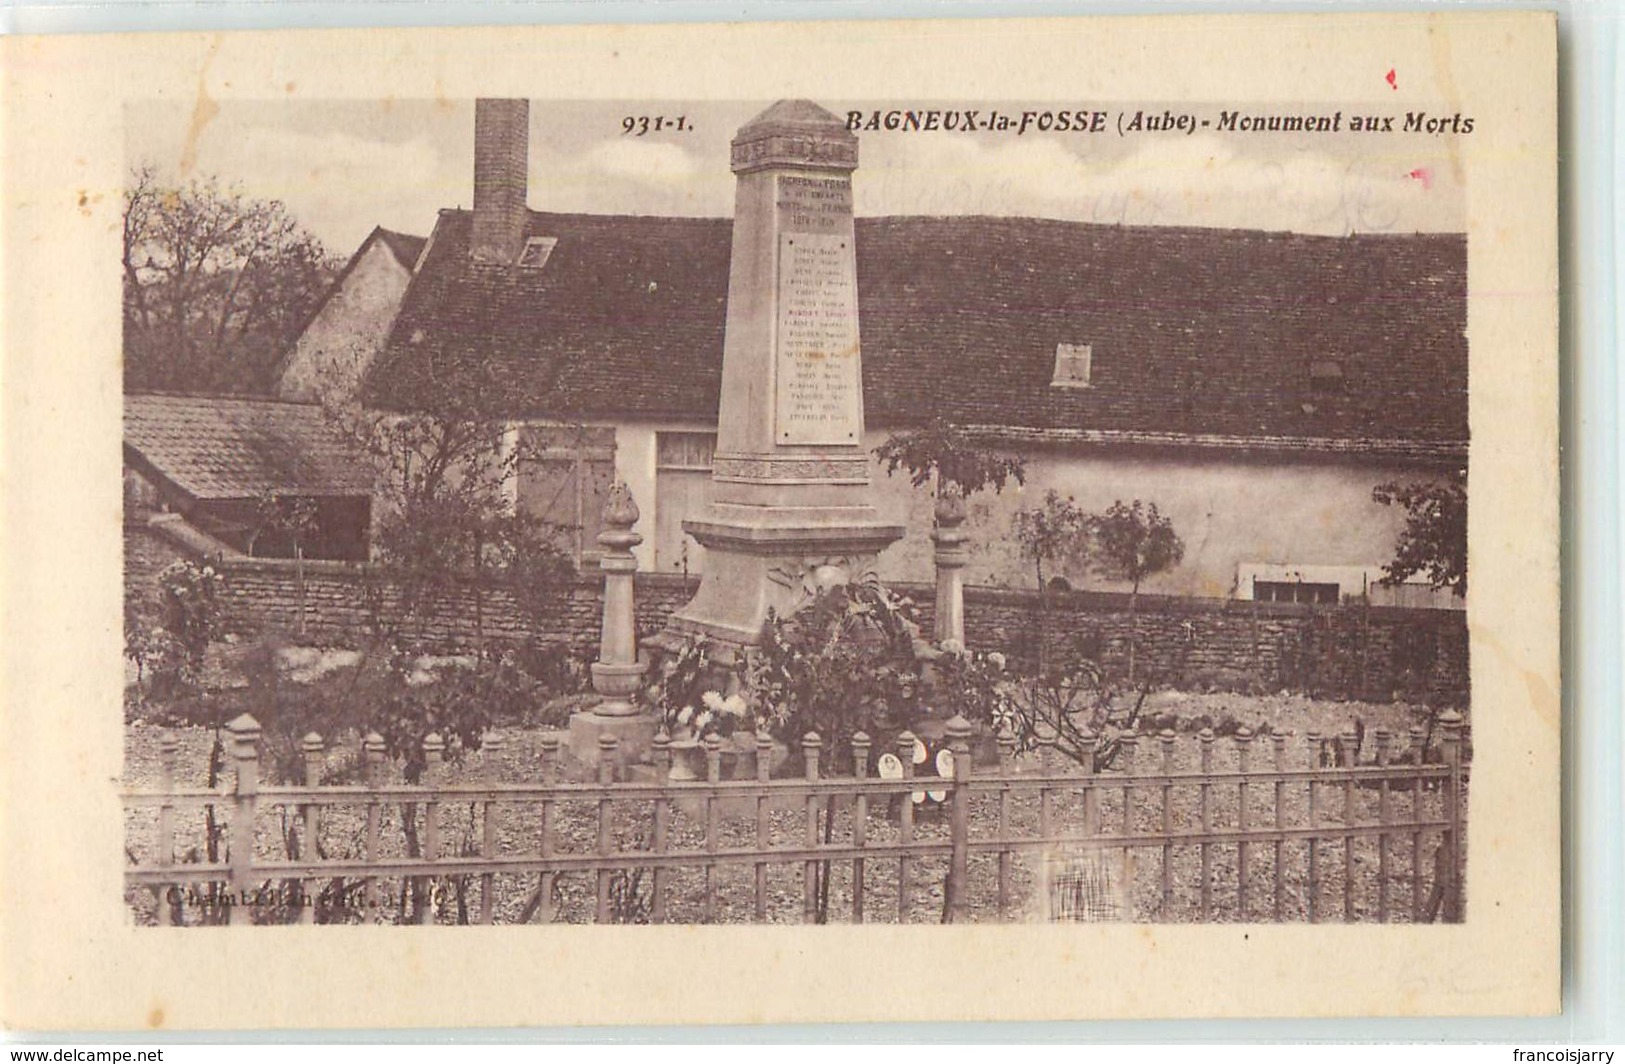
[1255, 385]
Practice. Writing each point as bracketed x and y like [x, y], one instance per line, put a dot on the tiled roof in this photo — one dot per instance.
[225, 448]
[404, 247]
[1193, 332]
[633, 307]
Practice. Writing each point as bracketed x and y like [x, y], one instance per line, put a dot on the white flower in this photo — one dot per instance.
[712, 700]
[703, 720]
[996, 660]
[685, 714]
[952, 646]
[734, 705]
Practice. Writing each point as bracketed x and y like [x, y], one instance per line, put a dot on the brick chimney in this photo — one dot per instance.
[501, 159]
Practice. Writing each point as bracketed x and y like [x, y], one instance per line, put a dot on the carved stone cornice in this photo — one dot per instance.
[797, 134]
[797, 151]
[817, 469]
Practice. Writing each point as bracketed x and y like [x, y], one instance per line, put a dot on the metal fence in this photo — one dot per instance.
[1173, 829]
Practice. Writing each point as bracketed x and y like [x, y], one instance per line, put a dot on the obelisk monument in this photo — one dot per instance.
[791, 511]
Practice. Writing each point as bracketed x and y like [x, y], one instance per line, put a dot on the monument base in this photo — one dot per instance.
[771, 560]
[635, 735]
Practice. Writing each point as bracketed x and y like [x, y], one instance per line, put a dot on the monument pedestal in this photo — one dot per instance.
[634, 736]
[791, 513]
[760, 560]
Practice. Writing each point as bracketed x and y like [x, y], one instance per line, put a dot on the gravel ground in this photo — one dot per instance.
[576, 830]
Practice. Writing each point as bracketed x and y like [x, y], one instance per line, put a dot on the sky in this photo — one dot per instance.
[343, 167]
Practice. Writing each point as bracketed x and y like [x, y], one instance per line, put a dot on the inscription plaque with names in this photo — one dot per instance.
[818, 397]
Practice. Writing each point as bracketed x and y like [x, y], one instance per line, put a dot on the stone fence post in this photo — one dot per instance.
[957, 907]
[244, 744]
[1450, 745]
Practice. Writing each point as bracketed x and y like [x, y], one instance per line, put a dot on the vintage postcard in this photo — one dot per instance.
[807, 522]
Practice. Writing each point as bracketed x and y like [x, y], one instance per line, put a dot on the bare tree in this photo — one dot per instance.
[216, 285]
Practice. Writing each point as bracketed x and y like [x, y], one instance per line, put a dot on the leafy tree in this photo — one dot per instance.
[1130, 543]
[167, 641]
[1434, 539]
[1049, 535]
[289, 520]
[1134, 541]
[189, 604]
[446, 521]
[951, 456]
[216, 285]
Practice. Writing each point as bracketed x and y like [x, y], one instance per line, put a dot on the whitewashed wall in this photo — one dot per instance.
[341, 341]
[1239, 518]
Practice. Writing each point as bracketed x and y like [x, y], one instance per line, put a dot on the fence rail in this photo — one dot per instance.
[1173, 837]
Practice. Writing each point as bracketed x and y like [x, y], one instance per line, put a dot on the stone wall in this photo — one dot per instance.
[1364, 652]
[146, 554]
[1341, 652]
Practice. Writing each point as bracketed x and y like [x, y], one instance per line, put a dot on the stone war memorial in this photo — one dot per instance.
[791, 511]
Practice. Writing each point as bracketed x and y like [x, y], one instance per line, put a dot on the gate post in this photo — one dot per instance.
[312, 750]
[959, 733]
[1091, 796]
[810, 744]
[950, 557]
[245, 738]
[1450, 744]
[170, 911]
[616, 673]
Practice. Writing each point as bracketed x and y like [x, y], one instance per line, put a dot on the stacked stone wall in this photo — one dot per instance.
[1343, 652]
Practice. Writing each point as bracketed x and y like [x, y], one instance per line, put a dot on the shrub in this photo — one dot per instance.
[168, 649]
[1077, 709]
[843, 663]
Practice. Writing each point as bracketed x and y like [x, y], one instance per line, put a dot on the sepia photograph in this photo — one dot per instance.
[660, 511]
[783, 523]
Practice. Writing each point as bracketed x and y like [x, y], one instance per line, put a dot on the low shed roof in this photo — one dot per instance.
[213, 447]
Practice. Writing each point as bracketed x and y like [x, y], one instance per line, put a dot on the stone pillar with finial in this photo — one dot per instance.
[951, 555]
[617, 672]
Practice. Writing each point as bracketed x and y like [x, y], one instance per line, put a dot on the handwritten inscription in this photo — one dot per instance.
[817, 399]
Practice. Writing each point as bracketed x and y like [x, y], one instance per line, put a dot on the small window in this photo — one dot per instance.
[1072, 365]
[1325, 376]
[1295, 591]
[536, 252]
[685, 450]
